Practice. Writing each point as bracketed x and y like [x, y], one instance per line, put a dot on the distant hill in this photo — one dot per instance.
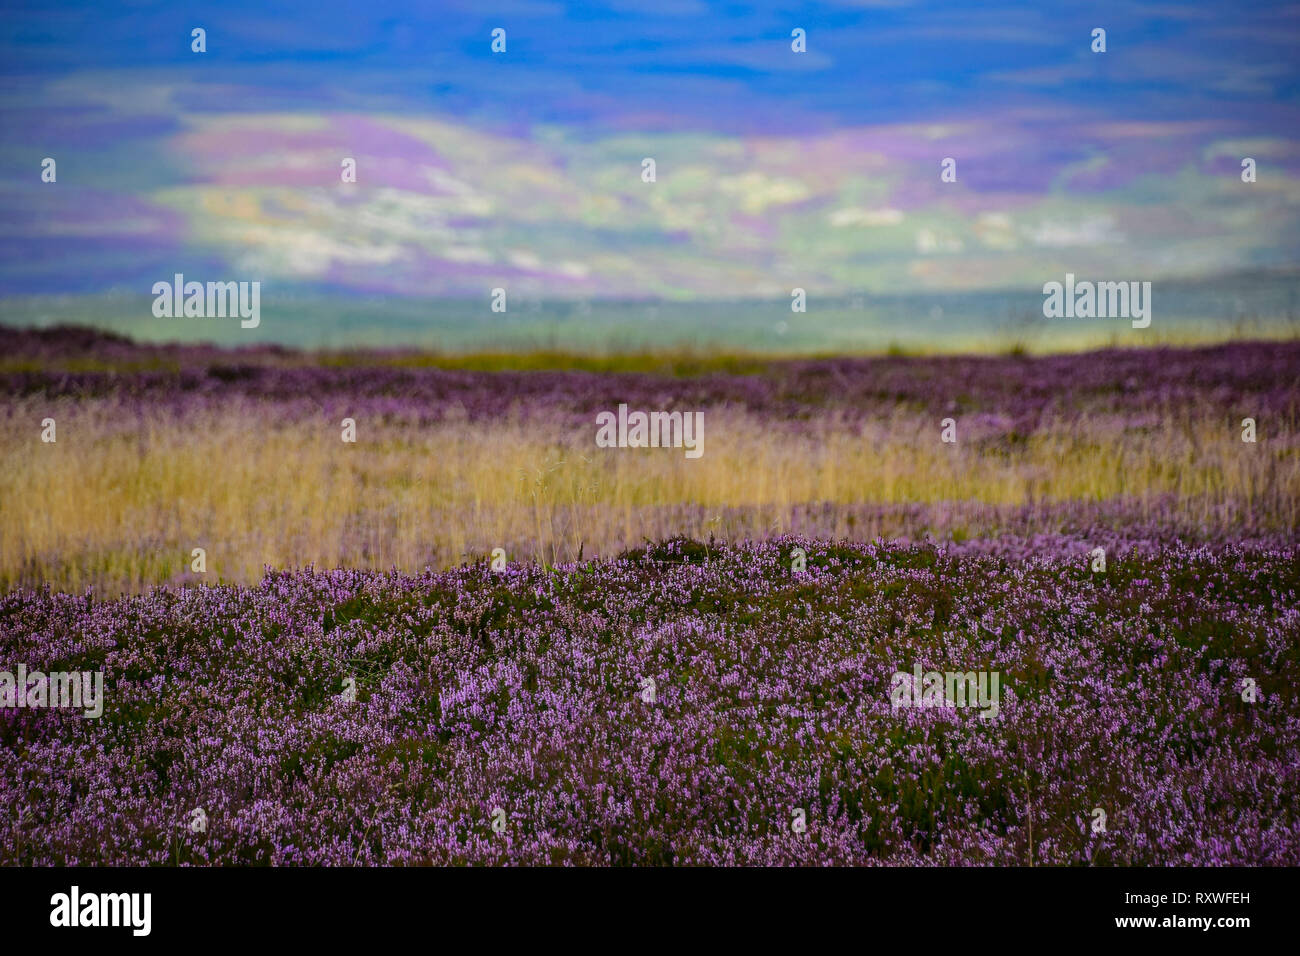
[1242, 305]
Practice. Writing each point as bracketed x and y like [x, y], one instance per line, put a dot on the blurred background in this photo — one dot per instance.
[774, 170]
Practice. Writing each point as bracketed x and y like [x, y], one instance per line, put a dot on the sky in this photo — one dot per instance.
[523, 169]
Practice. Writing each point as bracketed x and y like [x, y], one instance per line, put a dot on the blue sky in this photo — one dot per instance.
[774, 168]
[583, 62]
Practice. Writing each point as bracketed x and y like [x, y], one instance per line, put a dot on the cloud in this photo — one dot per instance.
[1093, 231]
[774, 167]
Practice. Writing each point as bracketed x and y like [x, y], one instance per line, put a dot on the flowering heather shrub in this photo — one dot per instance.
[1015, 393]
[521, 690]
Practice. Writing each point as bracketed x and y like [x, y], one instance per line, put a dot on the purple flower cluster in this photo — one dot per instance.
[1006, 396]
[677, 705]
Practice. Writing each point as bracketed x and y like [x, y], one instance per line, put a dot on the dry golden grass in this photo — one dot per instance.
[120, 504]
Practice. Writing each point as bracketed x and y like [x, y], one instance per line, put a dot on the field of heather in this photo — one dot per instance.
[161, 450]
[522, 699]
[682, 661]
